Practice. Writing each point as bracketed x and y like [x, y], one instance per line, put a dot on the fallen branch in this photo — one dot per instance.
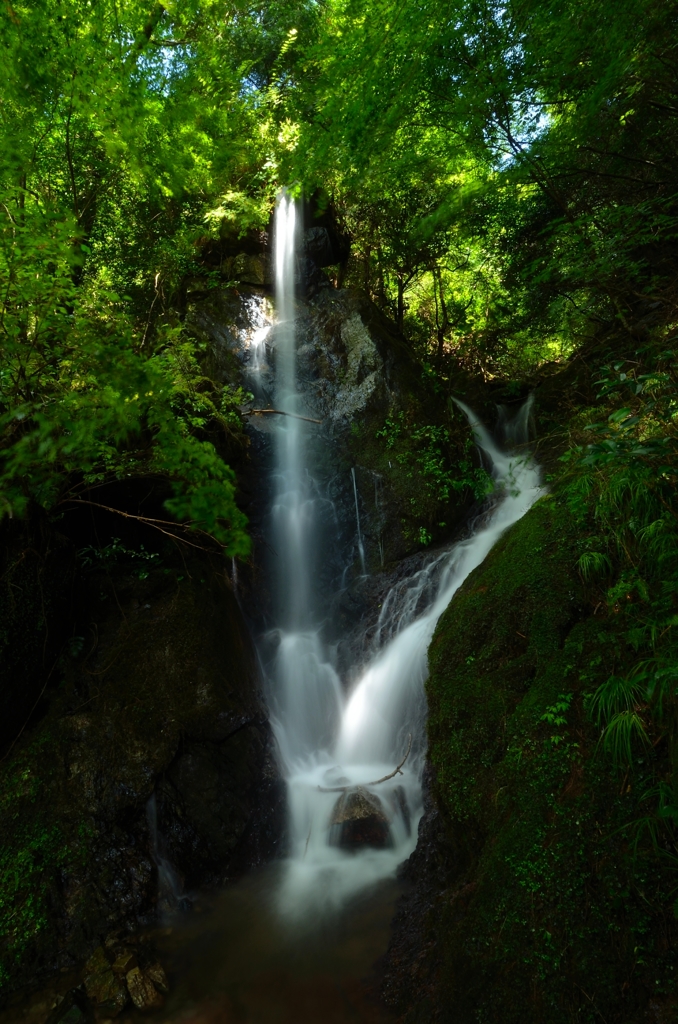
[279, 412]
[396, 771]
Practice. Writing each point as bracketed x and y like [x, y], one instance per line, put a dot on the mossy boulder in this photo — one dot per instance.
[533, 899]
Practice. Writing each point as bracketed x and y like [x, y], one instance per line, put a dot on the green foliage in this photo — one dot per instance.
[505, 169]
[427, 450]
[111, 555]
[556, 716]
[622, 485]
[560, 867]
[126, 135]
[77, 402]
[28, 863]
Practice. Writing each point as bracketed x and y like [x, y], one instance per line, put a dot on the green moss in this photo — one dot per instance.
[36, 850]
[559, 914]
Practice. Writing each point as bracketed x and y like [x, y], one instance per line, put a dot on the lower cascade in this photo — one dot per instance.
[353, 761]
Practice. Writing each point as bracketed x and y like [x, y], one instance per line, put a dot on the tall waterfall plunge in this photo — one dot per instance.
[329, 740]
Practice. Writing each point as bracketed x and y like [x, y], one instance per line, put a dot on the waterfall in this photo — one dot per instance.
[305, 694]
[170, 895]
[329, 742]
[361, 549]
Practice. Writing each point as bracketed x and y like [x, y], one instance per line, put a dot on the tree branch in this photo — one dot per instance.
[279, 412]
[396, 771]
[142, 519]
[144, 37]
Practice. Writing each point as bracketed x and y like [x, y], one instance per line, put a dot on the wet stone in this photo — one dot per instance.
[113, 939]
[73, 1015]
[401, 807]
[143, 992]
[107, 991]
[335, 777]
[98, 963]
[359, 820]
[124, 962]
[157, 975]
[104, 987]
[67, 1011]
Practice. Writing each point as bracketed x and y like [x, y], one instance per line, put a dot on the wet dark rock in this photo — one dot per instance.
[37, 580]
[359, 820]
[124, 962]
[401, 807]
[74, 1015]
[318, 246]
[335, 777]
[108, 993]
[69, 1010]
[203, 816]
[354, 371]
[103, 987]
[157, 975]
[413, 963]
[164, 700]
[143, 992]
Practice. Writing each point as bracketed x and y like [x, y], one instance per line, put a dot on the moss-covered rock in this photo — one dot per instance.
[534, 901]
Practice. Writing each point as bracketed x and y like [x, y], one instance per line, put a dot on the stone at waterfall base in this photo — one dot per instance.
[359, 820]
[105, 989]
[143, 992]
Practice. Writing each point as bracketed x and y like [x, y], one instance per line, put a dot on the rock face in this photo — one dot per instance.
[161, 704]
[37, 580]
[359, 820]
[357, 376]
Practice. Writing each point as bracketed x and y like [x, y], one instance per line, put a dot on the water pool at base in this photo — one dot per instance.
[237, 960]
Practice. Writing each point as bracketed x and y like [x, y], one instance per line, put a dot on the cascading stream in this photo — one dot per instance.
[330, 743]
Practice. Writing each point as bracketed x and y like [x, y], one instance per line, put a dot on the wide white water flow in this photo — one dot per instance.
[327, 739]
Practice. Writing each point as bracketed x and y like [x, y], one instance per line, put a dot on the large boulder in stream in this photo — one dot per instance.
[359, 820]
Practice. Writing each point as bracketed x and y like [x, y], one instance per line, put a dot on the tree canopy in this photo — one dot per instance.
[504, 172]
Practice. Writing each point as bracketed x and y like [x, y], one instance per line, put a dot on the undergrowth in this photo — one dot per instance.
[621, 489]
[34, 852]
[431, 466]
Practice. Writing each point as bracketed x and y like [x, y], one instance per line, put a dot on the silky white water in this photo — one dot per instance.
[361, 548]
[327, 738]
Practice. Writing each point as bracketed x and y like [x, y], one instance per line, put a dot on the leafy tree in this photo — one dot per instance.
[121, 126]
